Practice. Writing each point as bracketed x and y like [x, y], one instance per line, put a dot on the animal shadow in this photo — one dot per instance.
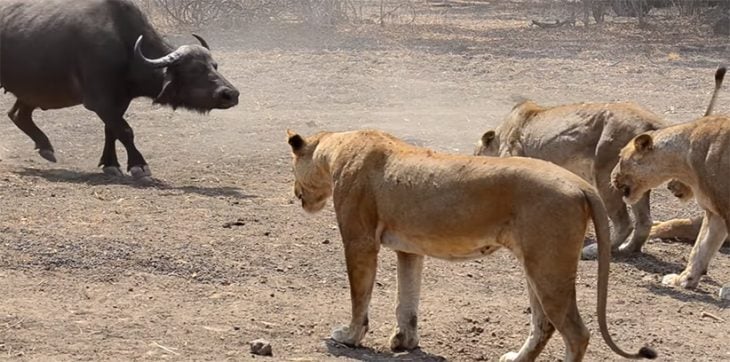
[649, 263]
[371, 355]
[685, 295]
[98, 178]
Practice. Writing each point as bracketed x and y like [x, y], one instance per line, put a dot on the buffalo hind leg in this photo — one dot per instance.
[109, 161]
[540, 332]
[22, 115]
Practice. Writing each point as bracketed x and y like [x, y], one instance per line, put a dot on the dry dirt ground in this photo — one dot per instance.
[218, 254]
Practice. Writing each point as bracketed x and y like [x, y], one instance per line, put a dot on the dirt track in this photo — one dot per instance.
[97, 268]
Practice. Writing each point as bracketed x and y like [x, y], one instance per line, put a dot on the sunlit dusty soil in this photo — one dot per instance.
[218, 253]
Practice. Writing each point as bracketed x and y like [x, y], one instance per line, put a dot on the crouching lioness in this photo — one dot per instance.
[682, 229]
[418, 202]
[584, 138]
[696, 154]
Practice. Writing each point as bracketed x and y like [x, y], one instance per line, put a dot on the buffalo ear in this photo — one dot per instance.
[488, 137]
[643, 143]
[296, 142]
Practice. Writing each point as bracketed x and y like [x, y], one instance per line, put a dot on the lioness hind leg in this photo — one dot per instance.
[606, 158]
[540, 332]
[615, 206]
[362, 262]
[683, 229]
[712, 234]
[405, 336]
[554, 286]
[642, 226]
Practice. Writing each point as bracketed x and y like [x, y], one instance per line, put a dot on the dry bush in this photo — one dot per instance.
[321, 12]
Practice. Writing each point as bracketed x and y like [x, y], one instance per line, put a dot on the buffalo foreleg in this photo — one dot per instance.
[117, 128]
[21, 114]
[136, 164]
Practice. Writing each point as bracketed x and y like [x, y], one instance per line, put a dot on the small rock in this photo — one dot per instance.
[261, 347]
[725, 292]
[230, 224]
[590, 252]
[326, 241]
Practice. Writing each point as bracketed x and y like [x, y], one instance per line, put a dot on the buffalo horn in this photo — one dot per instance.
[159, 62]
[202, 41]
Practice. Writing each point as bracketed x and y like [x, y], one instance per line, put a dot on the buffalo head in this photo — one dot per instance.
[191, 79]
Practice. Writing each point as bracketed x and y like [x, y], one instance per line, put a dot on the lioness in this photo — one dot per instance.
[584, 138]
[686, 229]
[682, 229]
[417, 202]
[696, 154]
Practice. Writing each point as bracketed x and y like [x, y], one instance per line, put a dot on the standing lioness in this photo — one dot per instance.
[418, 202]
[697, 154]
[584, 138]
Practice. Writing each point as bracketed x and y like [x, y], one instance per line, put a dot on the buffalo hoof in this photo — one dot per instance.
[142, 174]
[112, 171]
[140, 171]
[47, 154]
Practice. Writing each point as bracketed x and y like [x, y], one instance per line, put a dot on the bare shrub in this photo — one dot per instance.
[320, 12]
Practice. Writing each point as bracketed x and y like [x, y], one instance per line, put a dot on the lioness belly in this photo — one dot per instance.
[448, 249]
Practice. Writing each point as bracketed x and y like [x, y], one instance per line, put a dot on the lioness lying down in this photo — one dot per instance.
[584, 138]
[418, 202]
[696, 154]
[682, 229]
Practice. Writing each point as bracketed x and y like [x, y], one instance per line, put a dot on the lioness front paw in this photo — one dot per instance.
[347, 336]
[404, 340]
[680, 280]
[508, 357]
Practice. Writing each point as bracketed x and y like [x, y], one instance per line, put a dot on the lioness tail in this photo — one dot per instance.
[719, 76]
[600, 223]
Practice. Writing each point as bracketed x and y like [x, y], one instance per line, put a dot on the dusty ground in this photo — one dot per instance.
[98, 268]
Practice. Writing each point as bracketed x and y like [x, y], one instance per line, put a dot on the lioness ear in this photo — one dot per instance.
[295, 141]
[643, 143]
[487, 137]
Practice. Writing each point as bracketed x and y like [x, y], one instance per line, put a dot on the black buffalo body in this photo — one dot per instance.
[102, 54]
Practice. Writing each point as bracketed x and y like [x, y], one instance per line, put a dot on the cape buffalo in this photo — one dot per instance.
[102, 54]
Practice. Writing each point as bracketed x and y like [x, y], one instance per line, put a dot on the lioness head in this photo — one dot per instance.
[680, 190]
[488, 145]
[312, 180]
[636, 171]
